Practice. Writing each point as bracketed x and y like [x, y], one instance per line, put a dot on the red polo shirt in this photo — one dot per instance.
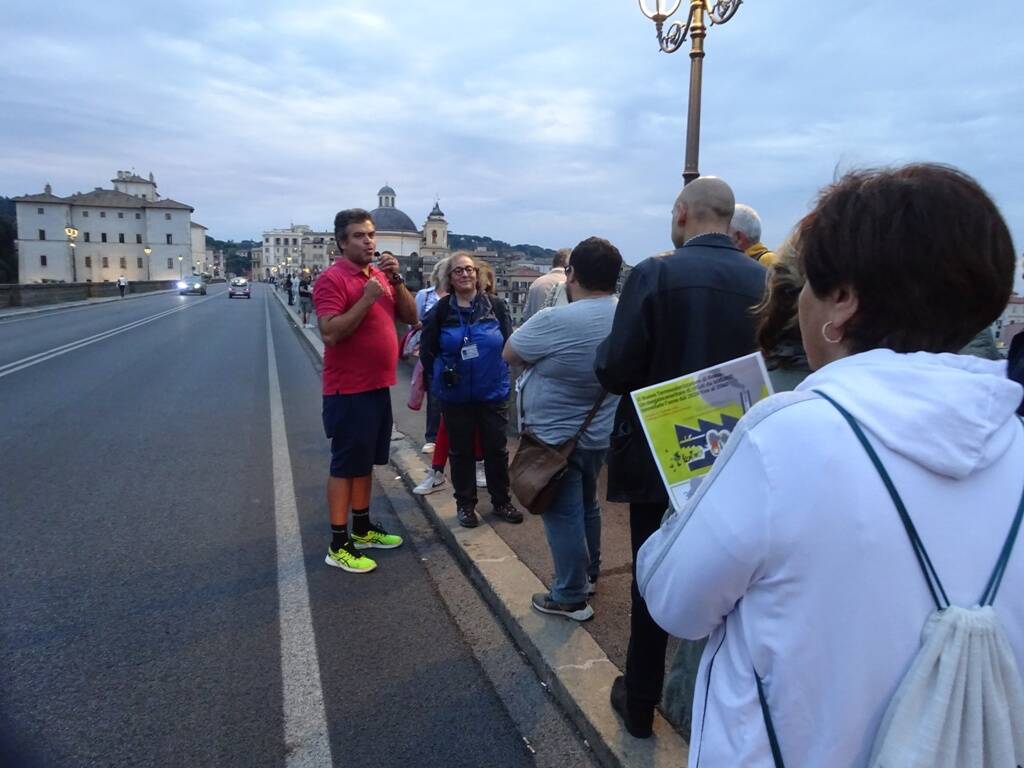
[367, 359]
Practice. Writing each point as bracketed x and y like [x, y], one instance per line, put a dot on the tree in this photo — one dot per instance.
[8, 234]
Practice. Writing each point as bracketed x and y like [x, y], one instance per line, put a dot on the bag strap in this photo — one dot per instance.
[995, 580]
[773, 740]
[590, 417]
[923, 560]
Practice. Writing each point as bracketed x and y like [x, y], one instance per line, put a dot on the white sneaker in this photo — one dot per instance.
[428, 448]
[431, 483]
[481, 475]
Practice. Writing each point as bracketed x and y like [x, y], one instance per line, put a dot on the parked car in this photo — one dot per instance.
[239, 286]
[192, 284]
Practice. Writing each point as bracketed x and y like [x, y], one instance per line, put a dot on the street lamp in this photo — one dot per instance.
[719, 12]
[147, 250]
[181, 274]
[72, 233]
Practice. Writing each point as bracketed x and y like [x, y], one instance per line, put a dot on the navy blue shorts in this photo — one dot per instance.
[359, 427]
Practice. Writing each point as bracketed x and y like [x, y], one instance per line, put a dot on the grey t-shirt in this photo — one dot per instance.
[560, 387]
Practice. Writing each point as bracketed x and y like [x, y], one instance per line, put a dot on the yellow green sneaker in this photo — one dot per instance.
[376, 537]
[349, 560]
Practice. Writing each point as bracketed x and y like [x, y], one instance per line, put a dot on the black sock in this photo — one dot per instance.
[339, 536]
[361, 521]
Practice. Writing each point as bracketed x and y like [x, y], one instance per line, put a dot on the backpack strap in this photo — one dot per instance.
[930, 575]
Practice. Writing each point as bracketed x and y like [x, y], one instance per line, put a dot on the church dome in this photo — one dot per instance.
[392, 220]
[385, 190]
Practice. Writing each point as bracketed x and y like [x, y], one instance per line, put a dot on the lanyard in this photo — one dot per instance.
[467, 330]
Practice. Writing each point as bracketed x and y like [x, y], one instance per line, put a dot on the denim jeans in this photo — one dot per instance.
[573, 527]
[433, 418]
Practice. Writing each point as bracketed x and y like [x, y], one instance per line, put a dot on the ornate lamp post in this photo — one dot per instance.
[147, 250]
[719, 12]
[72, 233]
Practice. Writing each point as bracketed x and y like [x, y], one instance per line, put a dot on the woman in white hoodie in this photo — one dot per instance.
[791, 555]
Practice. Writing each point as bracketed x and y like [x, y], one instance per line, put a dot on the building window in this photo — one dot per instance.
[124, 262]
[88, 237]
[138, 215]
[277, 241]
[88, 262]
[42, 234]
[169, 240]
[143, 197]
[138, 239]
[170, 263]
[39, 210]
[42, 261]
[103, 214]
[103, 237]
[120, 237]
[85, 214]
[106, 262]
[120, 214]
[138, 262]
[167, 216]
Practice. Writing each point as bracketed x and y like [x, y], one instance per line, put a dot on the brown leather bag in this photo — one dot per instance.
[538, 467]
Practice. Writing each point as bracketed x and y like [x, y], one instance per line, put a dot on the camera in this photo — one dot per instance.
[450, 376]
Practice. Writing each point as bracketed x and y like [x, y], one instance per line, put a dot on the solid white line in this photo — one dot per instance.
[71, 346]
[306, 739]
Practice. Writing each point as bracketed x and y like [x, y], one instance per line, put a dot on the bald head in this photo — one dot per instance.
[705, 205]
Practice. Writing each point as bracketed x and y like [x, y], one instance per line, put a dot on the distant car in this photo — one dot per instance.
[239, 286]
[192, 284]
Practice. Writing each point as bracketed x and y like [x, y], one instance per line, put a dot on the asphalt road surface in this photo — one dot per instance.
[163, 596]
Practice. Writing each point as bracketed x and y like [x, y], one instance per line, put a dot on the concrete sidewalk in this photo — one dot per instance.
[9, 312]
[509, 563]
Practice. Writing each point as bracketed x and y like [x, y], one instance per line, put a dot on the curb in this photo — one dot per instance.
[29, 311]
[565, 656]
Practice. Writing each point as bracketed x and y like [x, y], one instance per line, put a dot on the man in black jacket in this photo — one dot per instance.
[678, 313]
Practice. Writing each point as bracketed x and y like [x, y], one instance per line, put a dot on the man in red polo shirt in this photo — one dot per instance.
[356, 305]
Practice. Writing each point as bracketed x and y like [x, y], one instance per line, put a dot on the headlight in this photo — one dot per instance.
[182, 284]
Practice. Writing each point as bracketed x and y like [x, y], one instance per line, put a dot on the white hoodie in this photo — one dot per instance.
[793, 558]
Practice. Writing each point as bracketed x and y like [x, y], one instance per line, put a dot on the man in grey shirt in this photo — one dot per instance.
[557, 392]
[548, 290]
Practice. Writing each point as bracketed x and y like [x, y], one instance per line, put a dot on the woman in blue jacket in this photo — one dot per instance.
[461, 353]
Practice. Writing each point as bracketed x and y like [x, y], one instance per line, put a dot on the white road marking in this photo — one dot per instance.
[306, 738]
[71, 346]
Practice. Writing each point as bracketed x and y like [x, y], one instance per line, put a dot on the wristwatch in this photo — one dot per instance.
[396, 279]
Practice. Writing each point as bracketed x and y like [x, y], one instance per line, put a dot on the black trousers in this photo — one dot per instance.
[645, 657]
[491, 419]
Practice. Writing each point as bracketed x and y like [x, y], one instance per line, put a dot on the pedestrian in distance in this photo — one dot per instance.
[745, 230]
[122, 285]
[289, 287]
[426, 299]
[305, 300]
[461, 353]
[558, 345]
[677, 314]
[843, 516]
[357, 303]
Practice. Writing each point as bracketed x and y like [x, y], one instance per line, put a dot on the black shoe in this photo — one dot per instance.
[467, 517]
[639, 721]
[575, 611]
[508, 512]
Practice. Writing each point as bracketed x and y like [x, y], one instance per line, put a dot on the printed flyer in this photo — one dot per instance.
[688, 420]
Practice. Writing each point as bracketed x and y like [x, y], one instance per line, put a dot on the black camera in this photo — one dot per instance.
[450, 376]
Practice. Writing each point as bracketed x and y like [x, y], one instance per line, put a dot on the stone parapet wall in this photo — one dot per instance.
[36, 294]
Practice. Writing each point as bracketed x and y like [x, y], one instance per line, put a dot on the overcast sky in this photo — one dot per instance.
[533, 121]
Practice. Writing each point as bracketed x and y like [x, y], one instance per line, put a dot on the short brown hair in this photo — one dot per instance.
[776, 315]
[924, 249]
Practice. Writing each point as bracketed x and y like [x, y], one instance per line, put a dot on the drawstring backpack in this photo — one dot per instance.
[961, 703]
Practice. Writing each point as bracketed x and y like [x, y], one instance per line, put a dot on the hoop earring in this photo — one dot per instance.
[824, 333]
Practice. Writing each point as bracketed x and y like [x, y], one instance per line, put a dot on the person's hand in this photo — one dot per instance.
[388, 264]
[373, 290]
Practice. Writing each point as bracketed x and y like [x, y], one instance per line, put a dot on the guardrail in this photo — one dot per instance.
[35, 294]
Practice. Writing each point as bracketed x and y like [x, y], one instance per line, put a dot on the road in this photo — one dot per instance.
[164, 600]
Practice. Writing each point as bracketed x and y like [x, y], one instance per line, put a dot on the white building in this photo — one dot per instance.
[306, 249]
[198, 240]
[129, 230]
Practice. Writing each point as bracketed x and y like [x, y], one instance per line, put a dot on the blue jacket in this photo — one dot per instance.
[447, 330]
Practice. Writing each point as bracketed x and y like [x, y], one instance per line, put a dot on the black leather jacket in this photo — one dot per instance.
[677, 314]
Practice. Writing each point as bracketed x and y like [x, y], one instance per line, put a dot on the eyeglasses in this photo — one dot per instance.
[464, 271]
